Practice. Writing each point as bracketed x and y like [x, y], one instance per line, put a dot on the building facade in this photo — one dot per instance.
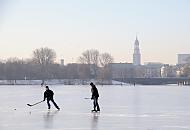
[183, 58]
[122, 70]
[153, 69]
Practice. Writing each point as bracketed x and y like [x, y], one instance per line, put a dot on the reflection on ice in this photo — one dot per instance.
[94, 121]
[49, 118]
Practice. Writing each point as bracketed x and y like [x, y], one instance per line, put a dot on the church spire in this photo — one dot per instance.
[136, 54]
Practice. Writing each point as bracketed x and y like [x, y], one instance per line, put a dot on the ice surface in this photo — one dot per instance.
[122, 108]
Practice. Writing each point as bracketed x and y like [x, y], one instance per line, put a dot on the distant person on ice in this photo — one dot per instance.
[48, 94]
[94, 97]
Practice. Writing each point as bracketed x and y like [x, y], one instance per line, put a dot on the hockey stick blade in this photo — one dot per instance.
[29, 105]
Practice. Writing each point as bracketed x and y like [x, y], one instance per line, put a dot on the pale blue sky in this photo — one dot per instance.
[72, 26]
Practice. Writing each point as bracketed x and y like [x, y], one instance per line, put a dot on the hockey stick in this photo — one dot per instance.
[35, 103]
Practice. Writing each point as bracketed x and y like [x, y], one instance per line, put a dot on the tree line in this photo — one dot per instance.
[42, 66]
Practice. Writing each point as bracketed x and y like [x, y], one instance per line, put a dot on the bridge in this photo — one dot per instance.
[156, 81]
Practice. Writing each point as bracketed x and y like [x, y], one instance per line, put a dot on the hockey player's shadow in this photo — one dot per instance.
[94, 121]
[49, 118]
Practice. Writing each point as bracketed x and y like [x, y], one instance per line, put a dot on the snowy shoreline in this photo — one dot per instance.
[60, 81]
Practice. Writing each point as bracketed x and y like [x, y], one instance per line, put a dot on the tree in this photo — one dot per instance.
[45, 57]
[105, 59]
[91, 57]
[15, 68]
[186, 70]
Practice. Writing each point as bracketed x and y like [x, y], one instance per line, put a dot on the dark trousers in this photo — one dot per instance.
[49, 106]
[96, 105]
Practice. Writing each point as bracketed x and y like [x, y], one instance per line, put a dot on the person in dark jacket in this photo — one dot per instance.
[48, 94]
[94, 97]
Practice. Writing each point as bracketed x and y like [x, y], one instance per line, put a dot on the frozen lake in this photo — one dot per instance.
[122, 108]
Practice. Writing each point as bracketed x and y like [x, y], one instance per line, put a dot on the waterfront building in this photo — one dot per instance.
[122, 70]
[153, 69]
[183, 58]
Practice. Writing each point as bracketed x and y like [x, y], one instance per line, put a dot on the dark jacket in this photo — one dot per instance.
[48, 94]
[94, 91]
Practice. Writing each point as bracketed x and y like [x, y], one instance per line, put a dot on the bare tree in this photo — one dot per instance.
[94, 57]
[44, 57]
[186, 70]
[91, 57]
[14, 68]
[85, 58]
[105, 59]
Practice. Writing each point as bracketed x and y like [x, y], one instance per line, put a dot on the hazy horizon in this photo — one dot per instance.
[71, 27]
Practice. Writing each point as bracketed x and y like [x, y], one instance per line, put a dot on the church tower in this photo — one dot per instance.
[136, 54]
